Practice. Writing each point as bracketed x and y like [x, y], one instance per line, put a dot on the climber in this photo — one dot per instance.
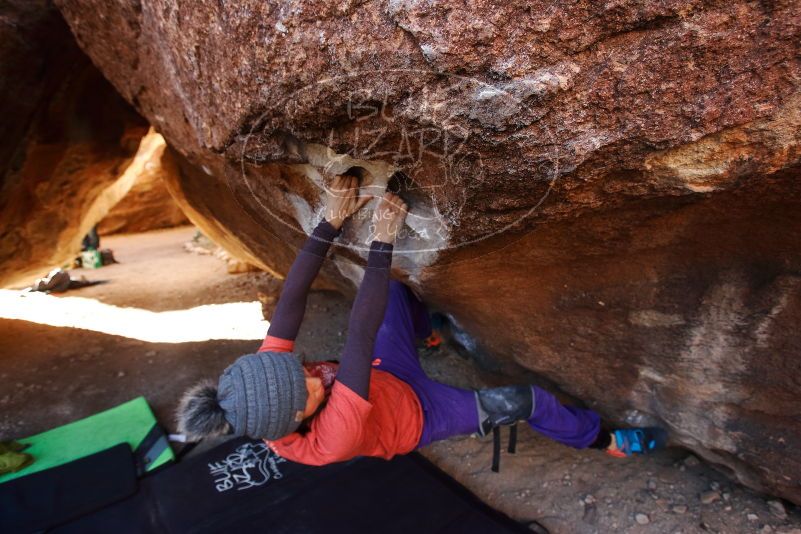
[377, 401]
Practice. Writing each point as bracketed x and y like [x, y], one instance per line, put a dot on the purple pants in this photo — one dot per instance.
[450, 411]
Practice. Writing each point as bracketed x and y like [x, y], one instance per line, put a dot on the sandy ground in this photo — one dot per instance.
[51, 375]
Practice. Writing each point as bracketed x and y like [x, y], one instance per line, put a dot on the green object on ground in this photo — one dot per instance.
[129, 422]
[11, 461]
[91, 259]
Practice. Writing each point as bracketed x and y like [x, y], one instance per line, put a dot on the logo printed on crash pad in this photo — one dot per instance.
[249, 466]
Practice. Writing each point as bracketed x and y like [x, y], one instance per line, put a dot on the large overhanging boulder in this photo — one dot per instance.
[605, 193]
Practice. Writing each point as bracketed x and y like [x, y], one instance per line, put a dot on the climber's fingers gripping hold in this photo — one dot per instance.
[343, 199]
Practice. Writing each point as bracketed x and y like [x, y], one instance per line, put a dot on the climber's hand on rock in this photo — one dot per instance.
[388, 218]
[343, 200]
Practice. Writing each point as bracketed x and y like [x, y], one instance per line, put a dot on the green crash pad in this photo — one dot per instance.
[129, 422]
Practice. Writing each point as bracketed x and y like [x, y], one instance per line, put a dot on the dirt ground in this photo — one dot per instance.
[51, 375]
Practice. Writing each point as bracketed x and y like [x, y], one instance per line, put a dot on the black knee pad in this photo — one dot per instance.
[503, 406]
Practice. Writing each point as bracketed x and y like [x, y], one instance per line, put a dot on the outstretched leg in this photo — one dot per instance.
[570, 425]
[451, 411]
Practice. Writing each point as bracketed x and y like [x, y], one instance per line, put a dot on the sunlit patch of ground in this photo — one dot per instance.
[233, 320]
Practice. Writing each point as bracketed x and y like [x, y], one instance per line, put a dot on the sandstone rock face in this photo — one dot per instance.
[606, 193]
[67, 137]
[148, 204]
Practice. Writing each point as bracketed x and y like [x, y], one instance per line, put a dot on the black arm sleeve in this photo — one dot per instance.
[365, 320]
[291, 307]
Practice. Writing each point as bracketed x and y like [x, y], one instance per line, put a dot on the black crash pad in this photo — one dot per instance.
[242, 486]
[71, 490]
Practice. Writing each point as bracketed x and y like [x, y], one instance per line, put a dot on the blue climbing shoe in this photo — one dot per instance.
[631, 441]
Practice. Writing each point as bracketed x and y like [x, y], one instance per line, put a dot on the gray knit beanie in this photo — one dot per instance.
[259, 395]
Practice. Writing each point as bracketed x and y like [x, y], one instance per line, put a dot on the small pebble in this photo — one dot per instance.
[715, 486]
[642, 519]
[752, 517]
[651, 484]
[726, 496]
[589, 499]
[680, 509]
[120, 374]
[691, 461]
[708, 497]
[777, 509]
